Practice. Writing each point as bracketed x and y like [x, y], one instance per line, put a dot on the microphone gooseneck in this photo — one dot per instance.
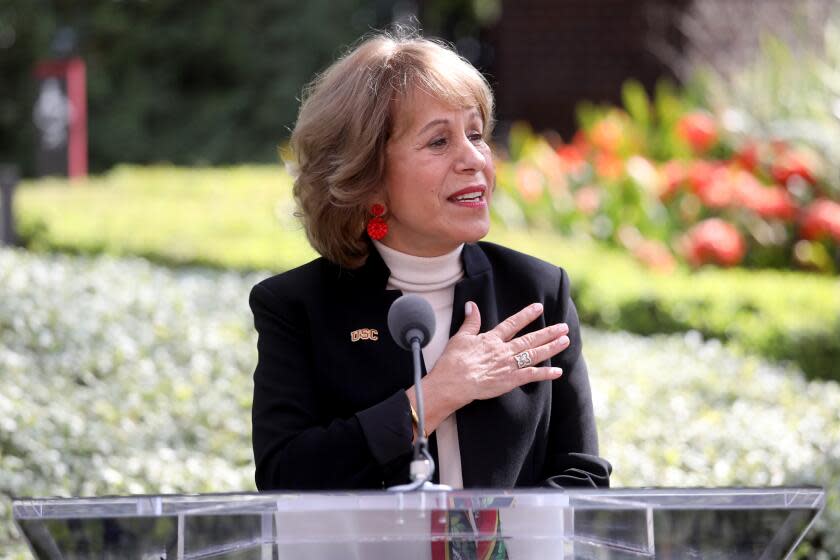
[411, 322]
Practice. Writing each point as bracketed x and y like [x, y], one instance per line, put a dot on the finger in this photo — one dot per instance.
[472, 320]
[538, 338]
[531, 374]
[546, 351]
[516, 322]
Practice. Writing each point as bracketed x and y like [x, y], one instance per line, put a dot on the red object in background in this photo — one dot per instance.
[711, 182]
[790, 162]
[671, 176]
[714, 241]
[821, 219]
[699, 130]
[606, 135]
[766, 201]
[73, 73]
[572, 158]
[747, 156]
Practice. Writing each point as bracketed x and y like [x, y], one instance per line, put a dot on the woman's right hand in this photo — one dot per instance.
[485, 365]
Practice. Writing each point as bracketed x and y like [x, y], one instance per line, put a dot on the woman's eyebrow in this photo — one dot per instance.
[432, 124]
[474, 114]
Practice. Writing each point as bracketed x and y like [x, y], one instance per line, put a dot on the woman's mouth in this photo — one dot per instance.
[471, 197]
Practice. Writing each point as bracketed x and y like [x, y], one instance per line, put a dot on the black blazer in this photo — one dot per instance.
[331, 413]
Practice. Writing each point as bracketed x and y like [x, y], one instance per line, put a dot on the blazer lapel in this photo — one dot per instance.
[474, 425]
[379, 366]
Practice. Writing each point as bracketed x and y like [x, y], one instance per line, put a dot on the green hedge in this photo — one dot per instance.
[242, 217]
[781, 315]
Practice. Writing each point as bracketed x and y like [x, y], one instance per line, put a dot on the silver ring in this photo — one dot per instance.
[523, 359]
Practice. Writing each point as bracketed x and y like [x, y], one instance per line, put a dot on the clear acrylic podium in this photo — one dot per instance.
[534, 524]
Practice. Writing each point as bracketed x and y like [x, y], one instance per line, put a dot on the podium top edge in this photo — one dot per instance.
[254, 503]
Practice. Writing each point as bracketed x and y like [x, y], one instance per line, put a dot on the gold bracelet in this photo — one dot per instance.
[415, 420]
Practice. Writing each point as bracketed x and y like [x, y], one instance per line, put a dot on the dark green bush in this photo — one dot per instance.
[181, 81]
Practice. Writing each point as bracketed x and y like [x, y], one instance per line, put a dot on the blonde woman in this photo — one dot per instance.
[394, 182]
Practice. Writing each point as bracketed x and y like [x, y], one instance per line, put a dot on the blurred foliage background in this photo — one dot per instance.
[187, 82]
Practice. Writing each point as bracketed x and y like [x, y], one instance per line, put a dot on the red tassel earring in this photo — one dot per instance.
[377, 227]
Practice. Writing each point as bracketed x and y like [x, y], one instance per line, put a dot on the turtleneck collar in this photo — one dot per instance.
[421, 274]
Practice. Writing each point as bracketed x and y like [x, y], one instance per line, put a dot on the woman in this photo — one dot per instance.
[394, 180]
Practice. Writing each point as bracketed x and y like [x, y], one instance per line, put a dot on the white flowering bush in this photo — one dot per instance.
[679, 411]
[122, 377]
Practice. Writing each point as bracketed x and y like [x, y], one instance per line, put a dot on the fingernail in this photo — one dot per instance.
[538, 307]
[468, 309]
[557, 371]
[563, 327]
[563, 339]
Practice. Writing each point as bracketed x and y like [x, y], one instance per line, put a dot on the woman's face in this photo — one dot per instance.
[439, 177]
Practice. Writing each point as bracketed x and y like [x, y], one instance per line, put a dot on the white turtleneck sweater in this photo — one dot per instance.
[434, 279]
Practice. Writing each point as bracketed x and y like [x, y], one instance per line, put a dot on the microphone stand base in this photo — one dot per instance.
[417, 486]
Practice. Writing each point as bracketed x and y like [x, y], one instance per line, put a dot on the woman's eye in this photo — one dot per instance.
[476, 137]
[439, 143]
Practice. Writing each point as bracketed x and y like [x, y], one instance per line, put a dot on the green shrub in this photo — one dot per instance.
[123, 377]
[780, 315]
[237, 217]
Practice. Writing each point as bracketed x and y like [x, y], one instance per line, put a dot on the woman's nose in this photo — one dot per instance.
[470, 157]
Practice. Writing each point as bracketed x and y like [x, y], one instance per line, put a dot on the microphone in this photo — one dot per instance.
[411, 317]
[411, 322]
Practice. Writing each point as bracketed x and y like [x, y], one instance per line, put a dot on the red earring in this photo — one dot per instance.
[377, 227]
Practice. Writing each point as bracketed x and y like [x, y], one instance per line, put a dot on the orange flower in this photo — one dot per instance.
[606, 135]
[713, 241]
[699, 130]
[821, 219]
[608, 166]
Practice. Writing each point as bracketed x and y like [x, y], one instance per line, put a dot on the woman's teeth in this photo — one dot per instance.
[469, 196]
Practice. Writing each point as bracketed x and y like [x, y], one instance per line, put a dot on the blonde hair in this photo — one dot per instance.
[344, 123]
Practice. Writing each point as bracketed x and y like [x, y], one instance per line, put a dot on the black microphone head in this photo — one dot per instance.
[411, 313]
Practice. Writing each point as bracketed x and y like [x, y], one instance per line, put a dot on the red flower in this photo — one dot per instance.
[789, 163]
[712, 183]
[747, 156]
[580, 142]
[821, 219]
[572, 158]
[767, 202]
[714, 241]
[698, 128]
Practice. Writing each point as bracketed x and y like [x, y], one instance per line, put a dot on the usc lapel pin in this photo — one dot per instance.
[364, 334]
